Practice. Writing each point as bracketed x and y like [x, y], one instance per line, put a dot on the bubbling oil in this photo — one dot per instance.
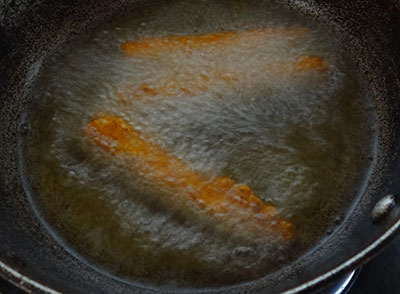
[300, 140]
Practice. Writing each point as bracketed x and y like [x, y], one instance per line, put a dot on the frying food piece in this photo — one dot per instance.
[195, 83]
[309, 63]
[186, 83]
[151, 46]
[219, 197]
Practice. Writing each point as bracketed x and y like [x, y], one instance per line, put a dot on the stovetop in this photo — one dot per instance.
[381, 275]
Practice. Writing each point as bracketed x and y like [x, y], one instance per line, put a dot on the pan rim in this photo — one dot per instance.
[377, 245]
[20, 280]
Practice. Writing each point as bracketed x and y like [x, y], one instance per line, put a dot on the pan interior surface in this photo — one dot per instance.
[301, 139]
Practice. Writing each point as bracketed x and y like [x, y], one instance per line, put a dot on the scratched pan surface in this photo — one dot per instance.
[31, 258]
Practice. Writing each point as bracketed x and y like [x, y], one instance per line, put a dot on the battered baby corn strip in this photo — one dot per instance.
[192, 84]
[219, 197]
[187, 84]
[155, 45]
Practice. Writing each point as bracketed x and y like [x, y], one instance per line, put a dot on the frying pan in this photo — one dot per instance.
[32, 259]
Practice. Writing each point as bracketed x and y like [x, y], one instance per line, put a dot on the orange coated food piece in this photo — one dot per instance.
[154, 45]
[218, 197]
[195, 83]
[308, 63]
[187, 84]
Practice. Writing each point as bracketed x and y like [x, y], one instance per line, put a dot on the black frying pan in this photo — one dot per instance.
[32, 259]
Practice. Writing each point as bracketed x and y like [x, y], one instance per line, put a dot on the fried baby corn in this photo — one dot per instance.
[151, 46]
[219, 197]
[195, 83]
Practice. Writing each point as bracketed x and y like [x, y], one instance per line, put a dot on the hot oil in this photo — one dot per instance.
[300, 140]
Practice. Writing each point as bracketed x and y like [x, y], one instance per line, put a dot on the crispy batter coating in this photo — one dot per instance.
[218, 196]
[152, 46]
[192, 84]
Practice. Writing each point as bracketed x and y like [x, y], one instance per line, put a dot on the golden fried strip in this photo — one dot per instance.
[309, 63]
[195, 83]
[187, 84]
[219, 196]
[154, 45]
